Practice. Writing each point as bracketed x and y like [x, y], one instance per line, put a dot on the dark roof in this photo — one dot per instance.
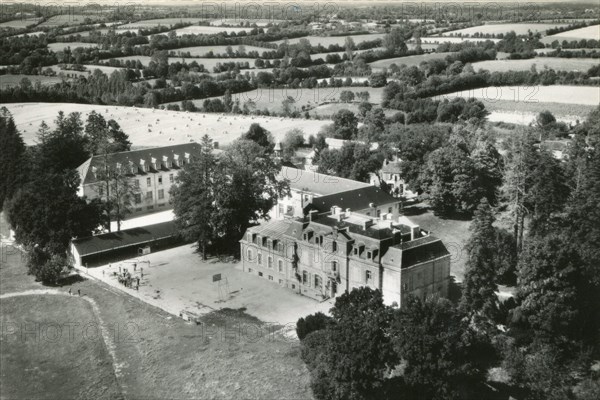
[129, 237]
[357, 199]
[419, 252]
[316, 183]
[129, 159]
[392, 168]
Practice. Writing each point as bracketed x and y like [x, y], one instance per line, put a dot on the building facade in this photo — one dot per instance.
[150, 172]
[324, 255]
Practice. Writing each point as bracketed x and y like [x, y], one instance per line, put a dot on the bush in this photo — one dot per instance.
[311, 323]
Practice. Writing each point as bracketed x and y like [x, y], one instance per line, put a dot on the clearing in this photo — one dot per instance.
[201, 51]
[153, 23]
[339, 40]
[208, 30]
[60, 46]
[327, 110]
[66, 20]
[7, 81]
[520, 95]
[448, 39]
[495, 29]
[20, 23]
[555, 63]
[208, 63]
[408, 60]
[152, 127]
[589, 32]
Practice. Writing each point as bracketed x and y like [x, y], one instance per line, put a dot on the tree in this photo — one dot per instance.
[259, 135]
[346, 96]
[293, 140]
[353, 353]
[353, 161]
[377, 80]
[13, 171]
[103, 136]
[345, 124]
[194, 198]
[287, 105]
[311, 323]
[479, 287]
[545, 118]
[248, 190]
[488, 164]
[394, 42]
[445, 358]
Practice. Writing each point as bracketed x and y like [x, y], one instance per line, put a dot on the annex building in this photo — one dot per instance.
[151, 172]
[325, 254]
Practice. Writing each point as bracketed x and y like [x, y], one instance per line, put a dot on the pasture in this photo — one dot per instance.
[60, 46]
[504, 110]
[19, 23]
[208, 63]
[246, 17]
[200, 51]
[495, 29]
[36, 33]
[589, 32]
[329, 40]
[448, 39]
[327, 110]
[7, 81]
[152, 23]
[409, 61]
[521, 96]
[555, 63]
[271, 99]
[65, 20]
[208, 30]
[151, 128]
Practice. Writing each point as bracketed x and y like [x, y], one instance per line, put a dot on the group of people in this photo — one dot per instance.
[126, 279]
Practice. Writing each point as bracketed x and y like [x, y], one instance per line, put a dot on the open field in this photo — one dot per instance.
[19, 23]
[525, 113]
[148, 127]
[409, 60]
[491, 29]
[340, 53]
[37, 33]
[7, 81]
[60, 46]
[339, 40]
[520, 96]
[327, 110]
[271, 99]
[199, 51]
[157, 355]
[208, 63]
[589, 32]
[152, 23]
[65, 20]
[555, 63]
[243, 18]
[89, 71]
[448, 39]
[208, 30]
[35, 366]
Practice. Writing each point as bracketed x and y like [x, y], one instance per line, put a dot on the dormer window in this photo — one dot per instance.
[153, 160]
[334, 247]
[95, 171]
[188, 158]
[118, 167]
[144, 165]
[132, 168]
[166, 162]
[308, 236]
[177, 160]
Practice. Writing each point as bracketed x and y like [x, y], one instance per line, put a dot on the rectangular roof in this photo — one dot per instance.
[130, 237]
[316, 183]
[356, 199]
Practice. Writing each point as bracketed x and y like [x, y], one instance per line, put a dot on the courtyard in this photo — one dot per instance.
[177, 280]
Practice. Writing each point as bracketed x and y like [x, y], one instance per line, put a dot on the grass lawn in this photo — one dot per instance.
[7, 81]
[454, 233]
[409, 60]
[53, 362]
[555, 63]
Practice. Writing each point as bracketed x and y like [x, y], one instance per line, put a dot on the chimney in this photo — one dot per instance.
[348, 212]
[367, 223]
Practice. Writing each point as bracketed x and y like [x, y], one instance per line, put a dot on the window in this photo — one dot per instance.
[260, 274]
[137, 183]
[334, 247]
[281, 209]
[259, 259]
[390, 210]
[150, 208]
[356, 251]
[249, 269]
[250, 257]
[161, 194]
[138, 198]
[369, 255]
[148, 182]
[100, 191]
[148, 195]
[270, 277]
[171, 178]
[334, 266]
[318, 281]
[270, 262]
[280, 265]
[378, 213]
[293, 286]
[281, 281]
[368, 276]
[304, 277]
[160, 180]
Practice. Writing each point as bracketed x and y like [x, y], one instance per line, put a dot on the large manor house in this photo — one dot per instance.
[329, 236]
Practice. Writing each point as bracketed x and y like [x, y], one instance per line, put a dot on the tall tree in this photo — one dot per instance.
[13, 167]
[194, 198]
[479, 287]
[105, 137]
[260, 135]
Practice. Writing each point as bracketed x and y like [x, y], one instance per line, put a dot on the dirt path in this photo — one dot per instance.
[106, 334]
